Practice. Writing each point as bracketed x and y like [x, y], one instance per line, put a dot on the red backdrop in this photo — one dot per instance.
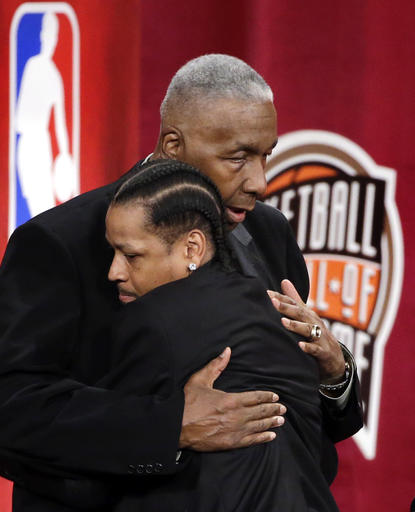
[342, 67]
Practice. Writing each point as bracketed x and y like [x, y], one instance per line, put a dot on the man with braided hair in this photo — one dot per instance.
[174, 271]
[56, 426]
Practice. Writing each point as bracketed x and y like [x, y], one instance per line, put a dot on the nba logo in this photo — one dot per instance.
[44, 109]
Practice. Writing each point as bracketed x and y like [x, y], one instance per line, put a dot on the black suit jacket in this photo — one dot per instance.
[165, 336]
[56, 309]
[56, 313]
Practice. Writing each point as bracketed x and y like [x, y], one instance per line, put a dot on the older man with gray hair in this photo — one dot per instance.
[218, 115]
[69, 444]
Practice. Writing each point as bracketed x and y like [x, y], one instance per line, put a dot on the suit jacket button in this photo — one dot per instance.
[158, 467]
[149, 468]
[140, 469]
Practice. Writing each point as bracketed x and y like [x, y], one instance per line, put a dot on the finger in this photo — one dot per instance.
[276, 303]
[248, 398]
[310, 348]
[302, 328]
[252, 439]
[289, 289]
[279, 296]
[223, 359]
[297, 312]
[264, 411]
[291, 310]
[264, 425]
[209, 373]
[273, 294]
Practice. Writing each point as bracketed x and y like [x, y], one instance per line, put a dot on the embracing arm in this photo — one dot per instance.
[47, 415]
[214, 420]
[54, 421]
[143, 361]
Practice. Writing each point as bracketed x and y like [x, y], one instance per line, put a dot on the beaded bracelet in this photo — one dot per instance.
[340, 385]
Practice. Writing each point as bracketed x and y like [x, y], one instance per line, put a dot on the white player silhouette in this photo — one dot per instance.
[41, 90]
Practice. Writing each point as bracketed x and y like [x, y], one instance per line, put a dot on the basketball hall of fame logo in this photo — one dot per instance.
[341, 206]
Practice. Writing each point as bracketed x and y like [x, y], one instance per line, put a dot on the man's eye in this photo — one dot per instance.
[237, 159]
[130, 256]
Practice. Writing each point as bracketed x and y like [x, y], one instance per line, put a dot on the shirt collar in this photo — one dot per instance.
[146, 159]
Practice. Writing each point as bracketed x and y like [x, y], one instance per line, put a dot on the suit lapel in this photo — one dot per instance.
[248, 256]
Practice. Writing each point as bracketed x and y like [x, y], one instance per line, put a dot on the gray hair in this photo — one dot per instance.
[217, 76]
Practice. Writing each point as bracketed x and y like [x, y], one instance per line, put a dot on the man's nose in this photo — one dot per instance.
[256, 182]
[116, 271]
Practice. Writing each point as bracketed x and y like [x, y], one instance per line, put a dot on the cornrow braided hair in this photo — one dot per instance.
[178, 198]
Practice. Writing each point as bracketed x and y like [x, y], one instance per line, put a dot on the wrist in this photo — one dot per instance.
[339, 383]
[335, 377]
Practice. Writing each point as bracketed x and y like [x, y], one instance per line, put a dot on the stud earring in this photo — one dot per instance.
[192, 266]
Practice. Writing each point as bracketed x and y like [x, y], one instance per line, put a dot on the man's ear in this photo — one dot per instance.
[196, 247]
[172, 142]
